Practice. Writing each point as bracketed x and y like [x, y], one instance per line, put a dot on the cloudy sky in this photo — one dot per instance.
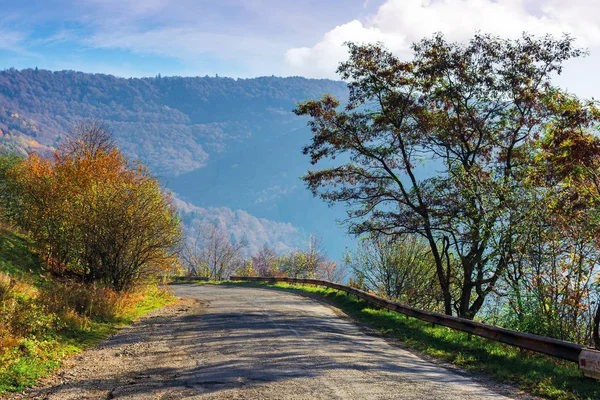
[246, 38]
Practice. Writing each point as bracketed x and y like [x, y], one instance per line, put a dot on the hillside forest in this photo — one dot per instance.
[227, 148]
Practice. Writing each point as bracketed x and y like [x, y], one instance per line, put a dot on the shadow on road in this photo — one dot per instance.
[249, 337]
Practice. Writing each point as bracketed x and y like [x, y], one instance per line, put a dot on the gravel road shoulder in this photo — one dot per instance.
[123, 360]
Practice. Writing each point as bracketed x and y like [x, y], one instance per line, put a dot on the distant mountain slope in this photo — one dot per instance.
[173, 123]
[243, 228]
[217, 142]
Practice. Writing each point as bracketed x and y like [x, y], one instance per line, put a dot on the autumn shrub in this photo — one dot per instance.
[246, 270]
[86, 300]
[62, 318]
[94, 214]
[44, 318]
[57, 306]
[22, 315]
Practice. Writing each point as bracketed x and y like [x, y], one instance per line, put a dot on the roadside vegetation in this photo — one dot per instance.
[44, 319]
[82, 238]
[210, 251]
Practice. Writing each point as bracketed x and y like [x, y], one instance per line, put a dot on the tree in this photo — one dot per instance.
[94, 214]
[569, 170]
[265, 262]
[212, 253]
[311, 262]
[399, 268]
[547, 288]
[440, 146]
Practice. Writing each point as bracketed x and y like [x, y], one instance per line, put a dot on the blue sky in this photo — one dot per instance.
[146, 37]
[246, 38]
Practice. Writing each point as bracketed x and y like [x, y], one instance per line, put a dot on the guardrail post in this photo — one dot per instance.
[589, 363]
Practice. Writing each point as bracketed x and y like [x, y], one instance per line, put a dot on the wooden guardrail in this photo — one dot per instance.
[587, 358]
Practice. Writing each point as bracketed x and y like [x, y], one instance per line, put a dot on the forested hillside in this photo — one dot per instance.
[221, 144]
[173, 123]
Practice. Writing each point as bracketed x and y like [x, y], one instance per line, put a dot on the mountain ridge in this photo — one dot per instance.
[215, 141]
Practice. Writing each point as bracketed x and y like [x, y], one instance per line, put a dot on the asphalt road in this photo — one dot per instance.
[227, 342]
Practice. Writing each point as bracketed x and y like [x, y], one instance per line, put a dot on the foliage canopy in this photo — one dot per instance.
[448, 146]
[94, 214]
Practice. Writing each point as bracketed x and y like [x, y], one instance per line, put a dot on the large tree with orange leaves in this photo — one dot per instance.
[95, 214]
[569, 173]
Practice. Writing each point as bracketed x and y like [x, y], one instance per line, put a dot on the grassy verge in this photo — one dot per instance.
[26, 359]
[536, 374]
[42, 321]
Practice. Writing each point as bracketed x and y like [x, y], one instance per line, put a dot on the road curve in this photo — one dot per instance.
[234, 342]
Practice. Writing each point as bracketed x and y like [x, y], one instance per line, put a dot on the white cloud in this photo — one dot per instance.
[322, 59]
[14, 41]
[399, 23]
[185, 43]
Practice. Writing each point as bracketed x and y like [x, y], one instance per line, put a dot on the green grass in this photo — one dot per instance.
[534, 373]
[153, 299]
[27, 357]
[16, 257]
[33, 358]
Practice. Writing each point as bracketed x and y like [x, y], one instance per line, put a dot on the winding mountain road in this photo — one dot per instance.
[231, 342]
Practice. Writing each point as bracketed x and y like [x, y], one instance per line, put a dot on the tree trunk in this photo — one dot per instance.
[439, 264]
[596, 334]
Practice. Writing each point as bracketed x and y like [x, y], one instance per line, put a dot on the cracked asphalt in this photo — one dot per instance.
[232, 342]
